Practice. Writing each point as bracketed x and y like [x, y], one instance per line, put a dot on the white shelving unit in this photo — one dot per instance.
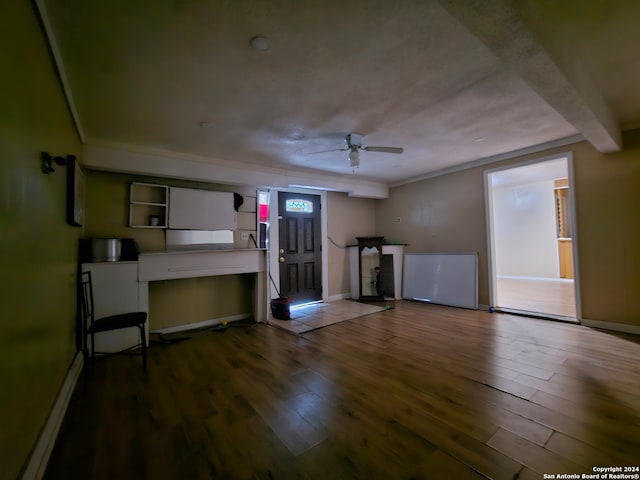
[148, 201]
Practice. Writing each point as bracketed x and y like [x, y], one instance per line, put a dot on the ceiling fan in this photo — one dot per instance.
[354, 144]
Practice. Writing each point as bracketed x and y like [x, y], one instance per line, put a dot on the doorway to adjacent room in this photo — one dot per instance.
[531, 238]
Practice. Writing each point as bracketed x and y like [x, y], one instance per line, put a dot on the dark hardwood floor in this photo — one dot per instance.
[419, 391]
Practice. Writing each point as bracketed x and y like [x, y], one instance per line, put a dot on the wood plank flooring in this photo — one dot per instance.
[419, 391]
[539, 295]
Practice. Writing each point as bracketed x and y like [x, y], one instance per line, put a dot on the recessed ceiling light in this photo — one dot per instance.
[260, 43]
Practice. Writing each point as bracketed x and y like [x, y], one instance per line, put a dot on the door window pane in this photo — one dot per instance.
[299, 205]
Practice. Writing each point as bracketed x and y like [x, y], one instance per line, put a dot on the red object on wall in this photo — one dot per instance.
[263, 209]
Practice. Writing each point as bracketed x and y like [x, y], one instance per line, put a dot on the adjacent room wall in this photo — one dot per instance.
[525, 230]
[38, 250]
[447, 213]
[348, 218]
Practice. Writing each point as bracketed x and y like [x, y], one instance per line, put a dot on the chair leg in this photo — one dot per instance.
[143, 341]
[85, 357]
[85, 347]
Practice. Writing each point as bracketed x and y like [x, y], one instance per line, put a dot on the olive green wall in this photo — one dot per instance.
[178, 302]
[447, 213]
[347, 218]
[37, 248]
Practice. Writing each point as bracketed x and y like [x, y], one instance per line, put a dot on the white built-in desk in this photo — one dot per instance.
[153, 266]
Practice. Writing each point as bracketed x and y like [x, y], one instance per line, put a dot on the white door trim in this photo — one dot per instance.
[273, 236]
[488, 191]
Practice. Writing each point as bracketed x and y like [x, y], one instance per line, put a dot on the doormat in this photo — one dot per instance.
[319, 315]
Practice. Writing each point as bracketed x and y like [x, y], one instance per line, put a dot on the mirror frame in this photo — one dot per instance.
[370, 242]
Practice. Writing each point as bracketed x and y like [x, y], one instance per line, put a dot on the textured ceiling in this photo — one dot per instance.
[451, 81]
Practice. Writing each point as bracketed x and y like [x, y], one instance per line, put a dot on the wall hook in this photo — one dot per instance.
[47, 161]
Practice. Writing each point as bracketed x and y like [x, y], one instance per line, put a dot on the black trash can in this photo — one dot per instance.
[280, 308]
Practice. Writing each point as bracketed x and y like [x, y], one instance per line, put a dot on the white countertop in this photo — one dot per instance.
[211, 250]
[168, 265]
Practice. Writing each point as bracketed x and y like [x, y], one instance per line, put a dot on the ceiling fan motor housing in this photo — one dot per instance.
[354, 140]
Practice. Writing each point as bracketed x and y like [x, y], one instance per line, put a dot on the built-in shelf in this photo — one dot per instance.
[148, 204]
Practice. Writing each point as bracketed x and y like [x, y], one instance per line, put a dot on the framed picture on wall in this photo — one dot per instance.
[75, 193]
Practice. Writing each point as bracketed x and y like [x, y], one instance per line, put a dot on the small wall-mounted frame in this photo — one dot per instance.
[75, 192]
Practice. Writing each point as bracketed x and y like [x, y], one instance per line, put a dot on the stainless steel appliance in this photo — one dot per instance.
[106, 249]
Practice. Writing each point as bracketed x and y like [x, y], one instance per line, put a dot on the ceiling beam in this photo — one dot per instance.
[564, 85]
[138, 160]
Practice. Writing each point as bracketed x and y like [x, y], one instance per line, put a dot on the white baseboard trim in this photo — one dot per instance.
[203, 324]
[339, 296]
[616, 327]
[540, 279]
[39, 458]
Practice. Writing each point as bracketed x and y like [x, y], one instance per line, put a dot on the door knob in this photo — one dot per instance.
[281, 251]
[281, 259]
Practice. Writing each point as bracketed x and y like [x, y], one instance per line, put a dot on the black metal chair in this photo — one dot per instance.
[92, 325]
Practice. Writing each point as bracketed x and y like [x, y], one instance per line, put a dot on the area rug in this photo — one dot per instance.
[319, 315]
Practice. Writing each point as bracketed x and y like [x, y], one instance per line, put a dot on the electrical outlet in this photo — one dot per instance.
[244, 235]
[398, 219]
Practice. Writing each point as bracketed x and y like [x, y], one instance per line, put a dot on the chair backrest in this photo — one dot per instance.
[86, 300]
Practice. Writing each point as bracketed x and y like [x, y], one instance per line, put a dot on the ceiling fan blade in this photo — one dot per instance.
[384, 149]
[327, 151]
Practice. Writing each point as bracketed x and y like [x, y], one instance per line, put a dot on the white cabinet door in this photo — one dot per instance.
[192, 209]
[115, 290]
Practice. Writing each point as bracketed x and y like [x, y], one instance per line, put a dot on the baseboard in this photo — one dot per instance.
[339, 296]
[483, 307]
[538, 315]
[616, 327]
[204, 324]
[37, 463]
[539, 279]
